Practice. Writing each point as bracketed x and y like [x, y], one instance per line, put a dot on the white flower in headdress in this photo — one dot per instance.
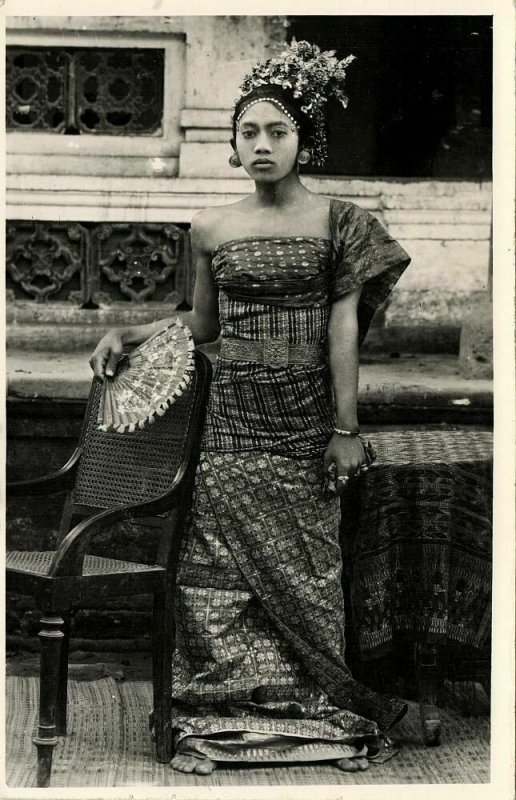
[310, 74]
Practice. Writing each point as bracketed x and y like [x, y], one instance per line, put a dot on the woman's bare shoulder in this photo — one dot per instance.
[218, 223]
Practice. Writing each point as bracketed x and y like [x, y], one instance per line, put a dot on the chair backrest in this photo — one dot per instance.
[123, 468]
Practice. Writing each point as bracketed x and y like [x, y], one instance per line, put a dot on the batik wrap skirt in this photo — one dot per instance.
[259, 668]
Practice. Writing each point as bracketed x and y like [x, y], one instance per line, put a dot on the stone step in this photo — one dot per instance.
[396, 194]
[20, 312]
[140, 192]
[129, 166]
[48, 338]
[417, 320]
[426, 338]
[412, 381]
[64, 327]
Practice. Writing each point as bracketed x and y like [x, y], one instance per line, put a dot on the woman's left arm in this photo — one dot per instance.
[345, 452]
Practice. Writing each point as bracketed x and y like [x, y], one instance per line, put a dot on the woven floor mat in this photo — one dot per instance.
[108, 745]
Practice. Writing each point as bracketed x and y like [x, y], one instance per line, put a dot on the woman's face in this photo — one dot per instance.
[267, 142]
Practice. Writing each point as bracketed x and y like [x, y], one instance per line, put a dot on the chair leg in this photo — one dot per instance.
[51, 636]
[427, 682]
[162, 642]
[62, 688]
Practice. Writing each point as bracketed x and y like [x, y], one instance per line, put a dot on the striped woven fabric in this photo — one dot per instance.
[417, 532]
[283, 288]
[285, 410]
[259, 605]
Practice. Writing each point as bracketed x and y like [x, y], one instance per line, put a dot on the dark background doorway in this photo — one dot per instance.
[420, 95]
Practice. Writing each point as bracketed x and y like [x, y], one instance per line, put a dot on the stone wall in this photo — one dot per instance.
[167, 178]
[205, 60]
[444, 225]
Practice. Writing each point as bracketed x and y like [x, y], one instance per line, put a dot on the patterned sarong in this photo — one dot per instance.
[259, 670]
[260, 616]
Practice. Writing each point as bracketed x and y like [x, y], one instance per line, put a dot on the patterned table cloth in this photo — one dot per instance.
[417, 540]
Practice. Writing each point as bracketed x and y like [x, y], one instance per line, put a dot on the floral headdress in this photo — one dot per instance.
[310, 76]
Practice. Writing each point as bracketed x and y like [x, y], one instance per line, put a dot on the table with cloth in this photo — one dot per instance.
[417, 539]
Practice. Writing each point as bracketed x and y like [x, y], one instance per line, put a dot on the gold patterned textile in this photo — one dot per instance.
[419, 544]
[259, 669]
[263, 407]
[259, 610]
[283, 287]
[276, 352]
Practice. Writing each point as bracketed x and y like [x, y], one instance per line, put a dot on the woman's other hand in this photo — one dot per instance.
[107, 354]
[344, 459]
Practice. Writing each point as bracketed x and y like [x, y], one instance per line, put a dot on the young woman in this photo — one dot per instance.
[291, 280]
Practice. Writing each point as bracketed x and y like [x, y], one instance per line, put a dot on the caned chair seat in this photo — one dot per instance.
[38, 563]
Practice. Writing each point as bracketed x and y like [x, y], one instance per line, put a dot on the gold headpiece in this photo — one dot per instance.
[310, 76]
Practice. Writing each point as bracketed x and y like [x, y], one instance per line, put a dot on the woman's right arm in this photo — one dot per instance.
[203, 320]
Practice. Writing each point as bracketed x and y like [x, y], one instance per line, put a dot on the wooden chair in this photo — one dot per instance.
[112, 478]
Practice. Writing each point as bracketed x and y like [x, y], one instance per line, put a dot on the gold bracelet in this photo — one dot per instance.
[354, 432]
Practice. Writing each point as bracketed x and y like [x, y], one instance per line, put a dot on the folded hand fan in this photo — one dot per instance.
[147, 380]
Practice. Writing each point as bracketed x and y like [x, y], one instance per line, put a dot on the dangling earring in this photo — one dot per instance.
[234, 160]
[303, 157]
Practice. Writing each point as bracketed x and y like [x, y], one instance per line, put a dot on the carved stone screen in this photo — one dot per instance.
[85, 90]
[46, 260]
[97, 264]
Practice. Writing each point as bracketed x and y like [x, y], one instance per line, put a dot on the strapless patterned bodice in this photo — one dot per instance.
[289, 271]
[270, 288]
[283, 287]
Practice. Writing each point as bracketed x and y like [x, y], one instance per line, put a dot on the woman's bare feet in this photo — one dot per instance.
[205, 766]
[201, 766]
[352, 764]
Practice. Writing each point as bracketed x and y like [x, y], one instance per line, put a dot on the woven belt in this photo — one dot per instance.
[275, 352]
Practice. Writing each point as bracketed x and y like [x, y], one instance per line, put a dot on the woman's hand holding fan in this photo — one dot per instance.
[147, 380]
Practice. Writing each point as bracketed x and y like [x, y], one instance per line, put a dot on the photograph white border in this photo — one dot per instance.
[501, 786]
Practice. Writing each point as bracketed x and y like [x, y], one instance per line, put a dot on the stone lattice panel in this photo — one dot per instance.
[139, 262]
[98, 264]
[47, 261]
[85, 90]
[35, 88]
[119, 91]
